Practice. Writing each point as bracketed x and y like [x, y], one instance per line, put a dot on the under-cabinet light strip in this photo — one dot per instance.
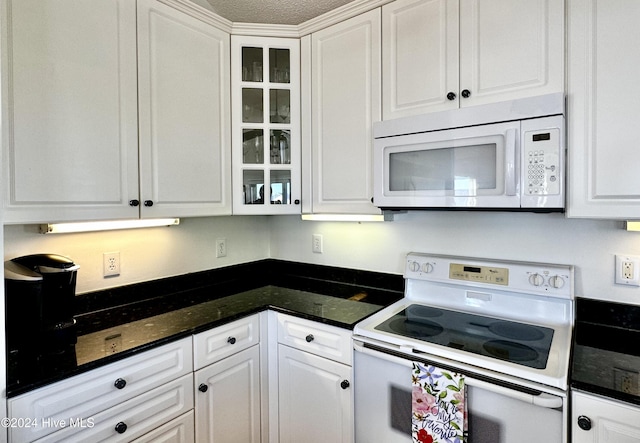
[63, 228]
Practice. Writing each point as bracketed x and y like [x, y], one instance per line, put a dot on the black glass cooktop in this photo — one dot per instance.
[515, 342]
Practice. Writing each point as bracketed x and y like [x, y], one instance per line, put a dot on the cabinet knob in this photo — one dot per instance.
[203, 387]
[134, 203]
[451, 96]
[345, 384]
[120, 383]
[465, 93]
[231, 340]
[296, 201]
[148, 203]
[309, 338]
[121, 427]
[584, 423]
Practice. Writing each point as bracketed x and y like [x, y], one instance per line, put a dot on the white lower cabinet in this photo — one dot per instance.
[597, 419]
[117, 402]
[228, 399]
[178, 430]
[227, 383]
[315, 374]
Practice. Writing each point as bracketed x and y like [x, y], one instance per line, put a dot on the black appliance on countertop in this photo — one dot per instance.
[606, 350]
[40, 328]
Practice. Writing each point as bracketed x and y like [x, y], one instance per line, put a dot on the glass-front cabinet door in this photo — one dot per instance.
[265, 77]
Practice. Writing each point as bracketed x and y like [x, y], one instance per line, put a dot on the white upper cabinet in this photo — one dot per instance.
[70, 138]
[71, 79]
[444, 54]
[185, 127]
[266, 125]
[341, 67]
[603, 108]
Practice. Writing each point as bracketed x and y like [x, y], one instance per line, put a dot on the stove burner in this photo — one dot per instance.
[510, 351]
[415, 329]
[516, 331]
[422, 311]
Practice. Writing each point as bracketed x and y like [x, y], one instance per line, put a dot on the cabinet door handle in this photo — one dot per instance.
[451, 96]
[309, 338]
[345, 384]
[120, 383]
[203, 387]
[584, 423]
[148, 203]
[134, 203]
[296, 201]
[121, 427]
[465, 93]
[231, 340]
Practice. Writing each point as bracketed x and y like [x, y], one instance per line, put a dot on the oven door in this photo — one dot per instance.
[496, 414]
[465, 167]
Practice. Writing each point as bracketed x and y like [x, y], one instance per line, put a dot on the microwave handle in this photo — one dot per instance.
[511, 167]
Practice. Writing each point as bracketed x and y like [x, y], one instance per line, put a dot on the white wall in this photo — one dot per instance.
[147, 254]
[161, 252]
[587, 244]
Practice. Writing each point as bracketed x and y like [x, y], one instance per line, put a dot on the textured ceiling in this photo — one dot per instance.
[281, 12]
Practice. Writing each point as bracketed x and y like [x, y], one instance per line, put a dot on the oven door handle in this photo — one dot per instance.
[542, 399]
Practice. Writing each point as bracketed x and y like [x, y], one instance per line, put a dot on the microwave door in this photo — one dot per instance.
[461, 168]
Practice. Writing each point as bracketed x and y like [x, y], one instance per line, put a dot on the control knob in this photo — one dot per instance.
[427, 268]
[414, 266]
[556, 281]
[536, 279]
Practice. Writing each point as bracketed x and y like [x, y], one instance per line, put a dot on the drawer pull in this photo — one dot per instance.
[121, 427]
[309, 338]
[231, 340]
[345, 384]
[120, 383]
[203, 387]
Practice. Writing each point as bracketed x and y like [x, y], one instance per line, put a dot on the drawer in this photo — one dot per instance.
[133, 418]
[87, 394]
[317, 338]
[223, 341]
[178, 430]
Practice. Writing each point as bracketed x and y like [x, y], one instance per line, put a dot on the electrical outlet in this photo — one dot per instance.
[316, 243]
[111, 264]
[626, 381]
[627, 270]
[113, 344]
[221, 247]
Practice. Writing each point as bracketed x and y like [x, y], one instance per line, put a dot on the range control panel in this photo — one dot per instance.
[526, 277]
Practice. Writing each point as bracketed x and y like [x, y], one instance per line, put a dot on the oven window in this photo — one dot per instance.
[518, 343]
[462, 170]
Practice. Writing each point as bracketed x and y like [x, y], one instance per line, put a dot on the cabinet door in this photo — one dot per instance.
[603, 108]
[185, 144]
[70, 140]
[316, 398]
[345, 101]
[228, 399]
[510, 49]
[610, 421]
[419, 57]
[266, 125]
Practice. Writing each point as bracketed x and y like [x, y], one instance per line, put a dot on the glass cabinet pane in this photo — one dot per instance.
[279, 106]
[280, 147]
[251, 64]
[279, 65]
[253, 187]
[252, 146]
[280, 187]
[252, 105]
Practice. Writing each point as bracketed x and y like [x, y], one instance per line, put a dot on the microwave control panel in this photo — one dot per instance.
[542, 166]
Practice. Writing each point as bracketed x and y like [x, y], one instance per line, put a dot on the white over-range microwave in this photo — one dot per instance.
[502, 156]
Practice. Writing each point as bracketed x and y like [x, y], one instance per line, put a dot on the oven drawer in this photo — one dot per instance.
[316, 338]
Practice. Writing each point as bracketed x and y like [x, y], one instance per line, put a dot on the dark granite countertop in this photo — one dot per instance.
[151, 314]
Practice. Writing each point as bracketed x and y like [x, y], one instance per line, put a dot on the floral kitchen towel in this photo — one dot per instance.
[439, 410]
